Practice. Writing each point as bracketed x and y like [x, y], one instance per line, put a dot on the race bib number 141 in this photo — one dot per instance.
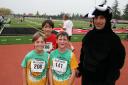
[59, 65]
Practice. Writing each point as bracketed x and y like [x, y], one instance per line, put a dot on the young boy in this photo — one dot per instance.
[50, 38]
[35, 63]
[63, 62]
[67, 27]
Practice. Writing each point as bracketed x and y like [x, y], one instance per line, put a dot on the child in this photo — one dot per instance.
[35, 63]
[68, 27]
[50, 38]
[63, 62]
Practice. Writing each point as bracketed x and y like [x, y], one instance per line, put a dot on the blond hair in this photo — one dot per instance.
[37, 35]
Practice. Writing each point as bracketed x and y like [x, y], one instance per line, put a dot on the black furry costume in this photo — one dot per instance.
[102, 54]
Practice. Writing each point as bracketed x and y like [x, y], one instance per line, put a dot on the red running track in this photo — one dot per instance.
[81, 31]
[12, 55]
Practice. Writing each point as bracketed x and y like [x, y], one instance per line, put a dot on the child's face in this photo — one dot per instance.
[47, 29]
[62, 42]
[39, 44]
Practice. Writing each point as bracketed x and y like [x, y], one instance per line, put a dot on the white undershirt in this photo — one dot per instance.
[68, 26]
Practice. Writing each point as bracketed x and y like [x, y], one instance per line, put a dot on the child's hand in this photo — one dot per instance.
[77, 74]
[60, 25]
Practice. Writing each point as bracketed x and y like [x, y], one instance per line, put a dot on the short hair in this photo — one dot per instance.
[66, 16]
[37, 35]
[48, 22]
[63, 34]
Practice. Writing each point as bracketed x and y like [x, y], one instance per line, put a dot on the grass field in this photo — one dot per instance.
[27, 39]
[36, 23]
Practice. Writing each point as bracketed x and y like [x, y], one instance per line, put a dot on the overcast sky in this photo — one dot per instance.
[53, 7]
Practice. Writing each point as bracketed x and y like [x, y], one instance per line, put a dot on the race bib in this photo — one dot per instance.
[48, 47]
[37, 66]
[59, 65]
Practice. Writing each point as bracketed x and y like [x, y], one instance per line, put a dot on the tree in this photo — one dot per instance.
[116, 12]
[5, 11]
[75, 16]
[37, 13]
[125, 12]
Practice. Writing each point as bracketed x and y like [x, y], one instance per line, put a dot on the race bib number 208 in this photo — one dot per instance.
[37, 66]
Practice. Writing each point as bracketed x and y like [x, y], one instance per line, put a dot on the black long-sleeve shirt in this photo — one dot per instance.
[102, 56]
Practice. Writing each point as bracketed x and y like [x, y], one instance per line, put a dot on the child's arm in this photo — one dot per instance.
[62, 26]
[73, 66]
[72, 77]
[50, 76]
[24, 76]
[47, 75]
